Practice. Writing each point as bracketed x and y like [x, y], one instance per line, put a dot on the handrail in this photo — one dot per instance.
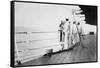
[44, 47]
[35, 40]
[35, 32]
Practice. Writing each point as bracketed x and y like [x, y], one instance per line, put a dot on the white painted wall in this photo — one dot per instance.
[88, 28]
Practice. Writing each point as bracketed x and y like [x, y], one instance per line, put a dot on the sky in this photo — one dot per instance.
[46, 17]
[40, 17]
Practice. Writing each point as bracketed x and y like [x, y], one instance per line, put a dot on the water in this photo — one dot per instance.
[32, 44]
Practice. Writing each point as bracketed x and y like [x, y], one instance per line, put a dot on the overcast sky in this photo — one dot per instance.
[40, 17]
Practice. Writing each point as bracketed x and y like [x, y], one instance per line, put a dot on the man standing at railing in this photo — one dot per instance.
[75, 34]
[61, 26]
[67, 32]
[64, 32]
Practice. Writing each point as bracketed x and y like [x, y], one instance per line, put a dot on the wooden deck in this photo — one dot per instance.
[77, 54]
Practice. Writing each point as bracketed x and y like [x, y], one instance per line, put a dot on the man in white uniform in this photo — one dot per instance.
[66, 31]
[62, 33]
[75, 35]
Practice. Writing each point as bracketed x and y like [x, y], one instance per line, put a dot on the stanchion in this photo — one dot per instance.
[18, 56]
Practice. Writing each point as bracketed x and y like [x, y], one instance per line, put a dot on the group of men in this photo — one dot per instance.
[69, 33]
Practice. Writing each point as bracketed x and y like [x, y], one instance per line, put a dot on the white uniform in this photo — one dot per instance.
[66, 31]
[75, 35]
